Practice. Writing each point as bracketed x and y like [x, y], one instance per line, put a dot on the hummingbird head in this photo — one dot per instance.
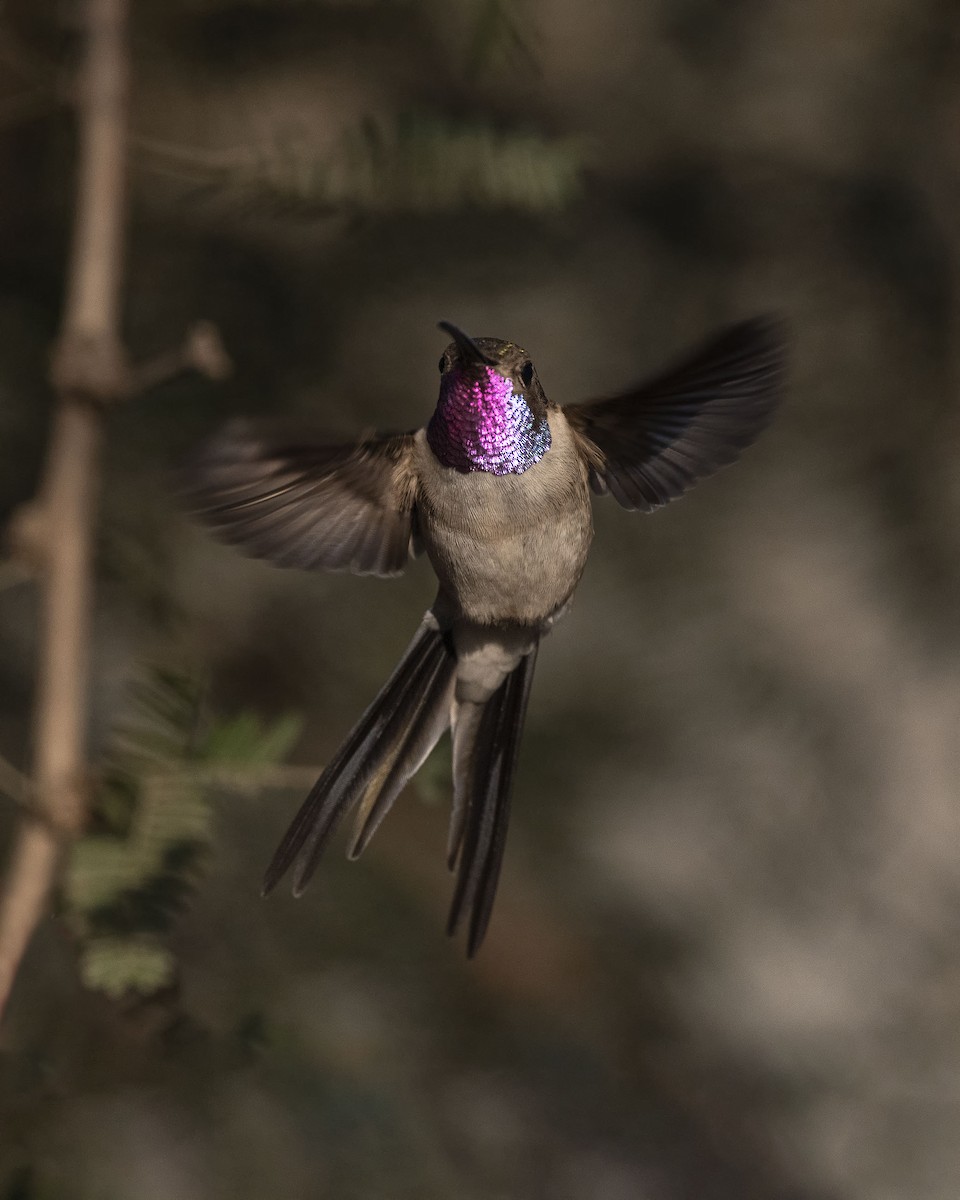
[492, 412]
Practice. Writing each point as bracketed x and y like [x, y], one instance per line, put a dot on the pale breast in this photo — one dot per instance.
[507, 547]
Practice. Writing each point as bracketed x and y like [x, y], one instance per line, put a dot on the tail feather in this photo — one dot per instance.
[391, 724]
[430, 721]
[520, 683]
[480, 836]
[466, 727]
[389, 744]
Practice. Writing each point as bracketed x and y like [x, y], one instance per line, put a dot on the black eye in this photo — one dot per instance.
[526, 373]
[443, 364]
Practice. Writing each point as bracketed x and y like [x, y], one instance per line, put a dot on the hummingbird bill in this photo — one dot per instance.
[496, 490]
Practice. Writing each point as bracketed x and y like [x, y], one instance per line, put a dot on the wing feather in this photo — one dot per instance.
[652, 443]
[312, 505]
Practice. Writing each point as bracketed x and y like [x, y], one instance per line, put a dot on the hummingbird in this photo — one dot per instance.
[496, 492]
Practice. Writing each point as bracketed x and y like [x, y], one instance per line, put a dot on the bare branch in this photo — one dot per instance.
[176, 158]
[13, 573]
[26, 539]
[19, 790]
[201, 351]
[15, 785]
[25, 106]
[89, 371]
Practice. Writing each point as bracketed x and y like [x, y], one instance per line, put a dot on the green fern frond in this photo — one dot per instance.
[118, 965]
[126, 881]
[416, 164]
[425, 164]
[245, 741]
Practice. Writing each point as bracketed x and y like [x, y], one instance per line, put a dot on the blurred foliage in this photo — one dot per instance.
[129, 877]
[417, 163]
[498, 41]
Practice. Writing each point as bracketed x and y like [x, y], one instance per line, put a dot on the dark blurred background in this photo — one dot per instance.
[725, 960]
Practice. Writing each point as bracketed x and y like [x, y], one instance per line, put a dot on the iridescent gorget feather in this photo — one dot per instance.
[482, 424]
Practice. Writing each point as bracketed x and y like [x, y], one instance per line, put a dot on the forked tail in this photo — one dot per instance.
[385, 748]
[486, 741]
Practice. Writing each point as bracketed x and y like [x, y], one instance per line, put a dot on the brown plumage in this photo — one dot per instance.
[508, 550]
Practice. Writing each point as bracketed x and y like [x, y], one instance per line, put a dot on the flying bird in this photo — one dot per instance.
[496, 491]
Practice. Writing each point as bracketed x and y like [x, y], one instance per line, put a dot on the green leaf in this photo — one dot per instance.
[230, 742]
[246, 741]
[416, 163]
[100, 869]
[128, 880]
[278, 739]
[426, 164]
[117, 966]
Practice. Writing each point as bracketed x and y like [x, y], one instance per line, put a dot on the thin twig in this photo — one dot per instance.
[213, 161]
[201, 350]
[26, 105]
[15, 785]
[13, 574]
[89, 371]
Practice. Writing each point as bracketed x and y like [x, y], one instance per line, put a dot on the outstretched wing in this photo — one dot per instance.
[341, 507]
[652, 443]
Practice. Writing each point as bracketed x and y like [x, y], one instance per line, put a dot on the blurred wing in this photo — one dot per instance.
[344, 508]
[649, 445]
